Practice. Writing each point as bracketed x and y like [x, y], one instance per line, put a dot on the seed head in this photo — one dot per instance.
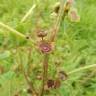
[73, 16]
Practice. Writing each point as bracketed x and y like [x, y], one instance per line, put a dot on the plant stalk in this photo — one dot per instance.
[45, 73]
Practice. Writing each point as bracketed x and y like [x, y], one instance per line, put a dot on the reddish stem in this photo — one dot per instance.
[45, 72]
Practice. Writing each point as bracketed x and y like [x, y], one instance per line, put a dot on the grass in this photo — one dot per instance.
[75, 48]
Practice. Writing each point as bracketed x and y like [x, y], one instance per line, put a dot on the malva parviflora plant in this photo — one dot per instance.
[45, 44]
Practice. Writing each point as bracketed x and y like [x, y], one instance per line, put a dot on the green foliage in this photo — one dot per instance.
[76, 47]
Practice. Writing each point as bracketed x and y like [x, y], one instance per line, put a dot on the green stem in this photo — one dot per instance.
[81, 69]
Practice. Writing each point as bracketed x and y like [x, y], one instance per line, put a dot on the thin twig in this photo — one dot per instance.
[81, 69]
[28, 13]
[45, 72]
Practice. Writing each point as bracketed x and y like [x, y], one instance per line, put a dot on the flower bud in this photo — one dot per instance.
[50, 83]
[45, 47]
[70, 1]
[57, 7]
[73, 16]
[41, 33]
[62, 75]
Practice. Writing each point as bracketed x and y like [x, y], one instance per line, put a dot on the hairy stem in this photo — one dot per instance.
[45, 72]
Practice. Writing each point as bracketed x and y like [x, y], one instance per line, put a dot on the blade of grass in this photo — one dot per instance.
[28, 13]
[81, 69]
[15, 32]
[12, 30]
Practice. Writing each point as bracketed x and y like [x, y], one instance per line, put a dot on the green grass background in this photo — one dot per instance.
[75, 46]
